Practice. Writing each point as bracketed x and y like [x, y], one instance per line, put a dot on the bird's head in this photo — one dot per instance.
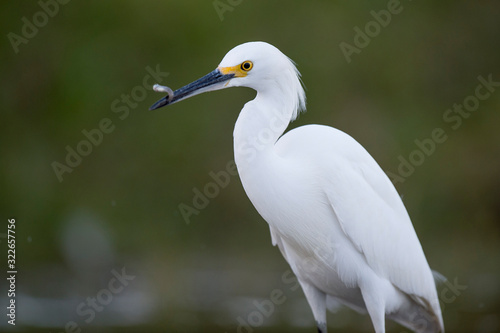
[257, 65]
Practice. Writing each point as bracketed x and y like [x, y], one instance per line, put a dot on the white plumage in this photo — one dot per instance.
[332, 211]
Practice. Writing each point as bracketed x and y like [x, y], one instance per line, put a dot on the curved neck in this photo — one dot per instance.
[260, 124]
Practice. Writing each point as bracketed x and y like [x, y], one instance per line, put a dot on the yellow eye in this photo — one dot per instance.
[246, 65]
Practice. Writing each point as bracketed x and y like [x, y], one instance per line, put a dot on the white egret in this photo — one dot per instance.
[334, 214]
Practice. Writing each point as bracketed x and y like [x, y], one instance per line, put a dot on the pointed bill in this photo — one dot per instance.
[212, 81]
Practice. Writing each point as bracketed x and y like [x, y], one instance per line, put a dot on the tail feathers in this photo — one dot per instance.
[438, 280]
[418, 318]
[438, 277]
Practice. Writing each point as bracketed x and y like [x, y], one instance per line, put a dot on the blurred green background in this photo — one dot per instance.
[118, 208]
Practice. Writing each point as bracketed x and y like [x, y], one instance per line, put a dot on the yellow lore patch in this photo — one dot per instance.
[240, 70]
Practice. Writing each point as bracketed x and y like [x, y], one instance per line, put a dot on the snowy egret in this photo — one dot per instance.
[334, 214]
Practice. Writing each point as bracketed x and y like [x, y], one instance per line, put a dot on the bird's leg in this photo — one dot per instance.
[375, 306]
[321, 327]
[317, 302]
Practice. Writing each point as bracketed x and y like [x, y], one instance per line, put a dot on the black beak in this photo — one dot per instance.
[211, 81]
